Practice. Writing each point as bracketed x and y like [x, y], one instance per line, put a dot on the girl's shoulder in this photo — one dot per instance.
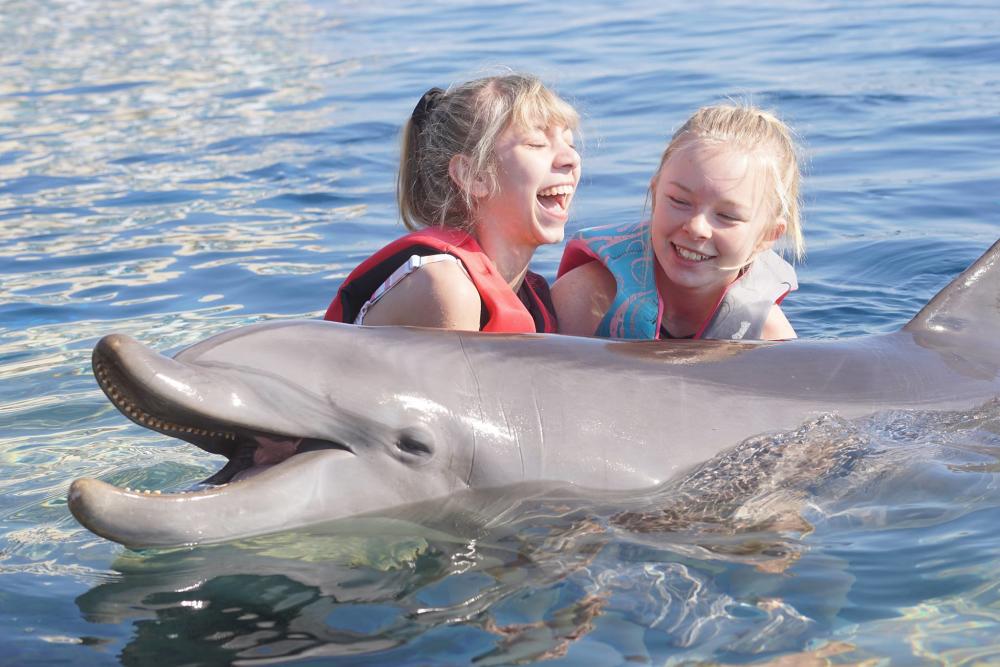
[582, 297]
[439, 295]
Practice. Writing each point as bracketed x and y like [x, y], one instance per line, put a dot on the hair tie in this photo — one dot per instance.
[425, 106]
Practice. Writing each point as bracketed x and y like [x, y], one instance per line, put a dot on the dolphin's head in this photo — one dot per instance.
[317, 421]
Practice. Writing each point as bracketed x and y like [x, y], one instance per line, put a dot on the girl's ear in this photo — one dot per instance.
[460, 170]
[776, 231]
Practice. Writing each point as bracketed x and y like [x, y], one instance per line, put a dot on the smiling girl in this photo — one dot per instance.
[726, 190]
[487, 173]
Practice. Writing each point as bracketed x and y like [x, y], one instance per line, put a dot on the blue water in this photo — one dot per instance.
[173, 170]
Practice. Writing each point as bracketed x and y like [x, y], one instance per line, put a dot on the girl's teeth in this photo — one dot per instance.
[556, 190]
[690, 255]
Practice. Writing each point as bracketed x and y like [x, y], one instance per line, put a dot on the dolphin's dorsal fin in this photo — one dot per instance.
[970, 301]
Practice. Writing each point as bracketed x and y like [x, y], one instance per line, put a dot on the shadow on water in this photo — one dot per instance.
[762, 552]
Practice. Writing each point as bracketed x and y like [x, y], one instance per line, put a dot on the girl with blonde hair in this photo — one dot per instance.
[726, 190]
[487, 173]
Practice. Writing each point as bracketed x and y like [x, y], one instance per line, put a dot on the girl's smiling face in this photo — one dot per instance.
[712, 212]
[537, 171]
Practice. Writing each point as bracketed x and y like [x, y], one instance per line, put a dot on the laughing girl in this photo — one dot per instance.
[487, 172]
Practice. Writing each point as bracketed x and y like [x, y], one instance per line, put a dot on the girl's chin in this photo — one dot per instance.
[550, 233]
[549, 228]
[686, 274]
[697, 277]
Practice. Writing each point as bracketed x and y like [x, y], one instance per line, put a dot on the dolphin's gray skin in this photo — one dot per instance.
[362, 419]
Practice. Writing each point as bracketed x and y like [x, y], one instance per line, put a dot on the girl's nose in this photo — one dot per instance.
[698, 226]
[566, 156]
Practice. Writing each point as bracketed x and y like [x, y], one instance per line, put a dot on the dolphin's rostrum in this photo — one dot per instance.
[320, 420]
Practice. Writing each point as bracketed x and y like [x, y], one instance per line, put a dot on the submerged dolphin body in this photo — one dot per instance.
[321, 421]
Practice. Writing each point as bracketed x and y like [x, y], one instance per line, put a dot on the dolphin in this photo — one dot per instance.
[321, 421]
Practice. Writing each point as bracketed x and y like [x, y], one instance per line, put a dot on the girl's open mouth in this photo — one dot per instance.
[556, 198]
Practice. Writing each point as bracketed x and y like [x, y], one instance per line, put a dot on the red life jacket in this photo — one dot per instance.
[507, 314]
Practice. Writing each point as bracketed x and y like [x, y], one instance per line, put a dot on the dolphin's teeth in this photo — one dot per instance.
[157, 492]
[128, 489]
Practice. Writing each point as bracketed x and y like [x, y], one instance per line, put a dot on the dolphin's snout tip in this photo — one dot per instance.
[113, 343]
[107, 348]
[79, 492]
[78, 488]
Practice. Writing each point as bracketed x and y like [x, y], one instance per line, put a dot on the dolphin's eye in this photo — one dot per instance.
[415, 441]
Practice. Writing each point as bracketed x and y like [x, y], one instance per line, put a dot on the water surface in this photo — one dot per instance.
[173, 170]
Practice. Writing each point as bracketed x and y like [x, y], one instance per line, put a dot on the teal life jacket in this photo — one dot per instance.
[637, 311]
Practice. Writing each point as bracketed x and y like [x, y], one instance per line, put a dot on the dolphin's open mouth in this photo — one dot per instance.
[300, 447]
[248, 451]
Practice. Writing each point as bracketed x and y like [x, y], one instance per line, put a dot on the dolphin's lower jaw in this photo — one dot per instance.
[280, 497]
